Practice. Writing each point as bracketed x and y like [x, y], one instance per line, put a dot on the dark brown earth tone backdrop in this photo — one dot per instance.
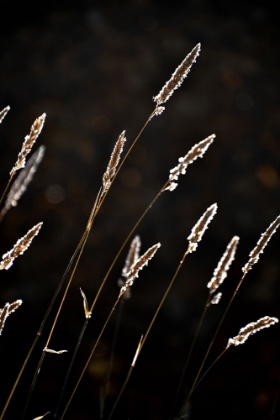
[94, 67]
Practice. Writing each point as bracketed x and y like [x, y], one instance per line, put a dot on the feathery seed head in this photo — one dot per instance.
[20, 247]
[28, 143]
[177, 77]
[261, 244]
[220, 272]
[200, 227]
[195, 152]
[250, 329]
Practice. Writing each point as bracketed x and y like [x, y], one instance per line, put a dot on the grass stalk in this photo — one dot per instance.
[215, 335]
[149, 328]
[89, 358]
[197, 331]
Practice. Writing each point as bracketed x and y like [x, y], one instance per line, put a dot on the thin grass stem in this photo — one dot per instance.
[199, 381]
[70, 366]
[80, 252]
[112, 356]
[89, 359]
[5, 191]
[39, 333]
[215, 335]
[149, 328]
[206, 306]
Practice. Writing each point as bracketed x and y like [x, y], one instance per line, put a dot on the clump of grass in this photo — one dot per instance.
[134, 262]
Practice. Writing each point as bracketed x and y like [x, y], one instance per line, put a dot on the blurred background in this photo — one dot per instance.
[94, 67]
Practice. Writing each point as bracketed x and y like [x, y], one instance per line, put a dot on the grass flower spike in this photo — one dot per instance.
[259, 248]
[28, 143]
[200, 227]
[8, 309]
[177, 77]
[196, 151]
[220, 272]
[19, 248]
[3, 113]
[250, 329]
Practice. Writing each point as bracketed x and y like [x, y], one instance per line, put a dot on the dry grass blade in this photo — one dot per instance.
[6, 311]
[113, 163]
[177, 77]
[25, 177]
[200, 227]
[196, 151]
[259, 248]
[85, 303]
[20, 247]
[220, 272]
[41, 417]
[137, 351]
[137, 266]
[28, 143]
[250, 329]
[47, 350]
[3, 113]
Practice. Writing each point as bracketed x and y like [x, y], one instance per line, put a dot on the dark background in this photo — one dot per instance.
[94, 67]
